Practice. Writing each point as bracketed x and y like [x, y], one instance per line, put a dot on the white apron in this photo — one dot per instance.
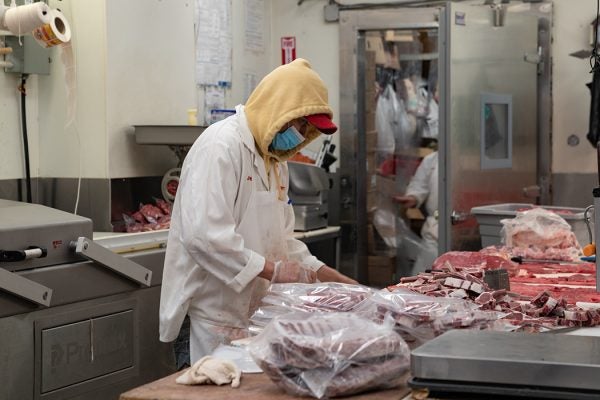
[264, 214]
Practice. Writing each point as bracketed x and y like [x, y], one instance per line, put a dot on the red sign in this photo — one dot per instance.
[288, 49]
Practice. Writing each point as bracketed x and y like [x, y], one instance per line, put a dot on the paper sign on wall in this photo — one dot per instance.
[288, 49]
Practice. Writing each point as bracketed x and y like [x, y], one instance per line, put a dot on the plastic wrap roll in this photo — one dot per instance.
[24, 19]
[54, 33]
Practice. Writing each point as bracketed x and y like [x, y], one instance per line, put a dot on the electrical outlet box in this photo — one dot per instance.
[28, 58]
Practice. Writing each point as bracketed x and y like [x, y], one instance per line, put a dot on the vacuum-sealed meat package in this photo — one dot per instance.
[330, 354]
[283, 298]
[419, 318]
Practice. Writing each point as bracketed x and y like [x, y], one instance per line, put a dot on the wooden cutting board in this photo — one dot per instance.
[252, 387]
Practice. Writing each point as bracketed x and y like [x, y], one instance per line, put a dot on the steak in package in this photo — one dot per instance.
[330, 354]
[283, 298]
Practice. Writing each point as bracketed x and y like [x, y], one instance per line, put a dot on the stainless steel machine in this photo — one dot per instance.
[309, 189]
[546, 365]
[77, 320]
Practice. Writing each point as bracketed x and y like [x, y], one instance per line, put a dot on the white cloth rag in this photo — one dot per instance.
[211, 370]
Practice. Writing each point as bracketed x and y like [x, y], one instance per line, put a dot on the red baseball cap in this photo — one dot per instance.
[322, 122]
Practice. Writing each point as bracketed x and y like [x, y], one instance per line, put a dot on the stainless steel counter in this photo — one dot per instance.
[97, 337]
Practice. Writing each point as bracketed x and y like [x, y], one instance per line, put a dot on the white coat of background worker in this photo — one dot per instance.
[423, 189]
[232, 223]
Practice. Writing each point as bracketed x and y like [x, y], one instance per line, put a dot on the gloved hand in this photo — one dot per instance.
[292, 272]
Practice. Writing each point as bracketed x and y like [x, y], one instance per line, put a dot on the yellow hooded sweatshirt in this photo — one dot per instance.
[290, 91]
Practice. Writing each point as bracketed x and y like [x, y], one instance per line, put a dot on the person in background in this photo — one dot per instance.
[232, 222]
[423, 189]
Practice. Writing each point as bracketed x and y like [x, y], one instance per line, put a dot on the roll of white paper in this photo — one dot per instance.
[56, 32]
[24, 19]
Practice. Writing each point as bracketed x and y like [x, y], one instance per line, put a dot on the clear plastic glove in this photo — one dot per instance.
[292, 272]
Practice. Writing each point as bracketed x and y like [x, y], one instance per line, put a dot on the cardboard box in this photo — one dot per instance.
[417, 152]
[376, 246]
[370, 68]
[381, 270]
[371, 140]
[371, 163]
[370, 98]
[374, 43]
[370, 119]
[414, 213]
[371, 203]
[386, 186]
[399, 36]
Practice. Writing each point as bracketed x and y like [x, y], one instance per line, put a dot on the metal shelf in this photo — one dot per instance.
[418, 57]
[170, 135]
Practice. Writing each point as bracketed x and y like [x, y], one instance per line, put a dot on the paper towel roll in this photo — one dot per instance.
[23, 19]
[54, 33]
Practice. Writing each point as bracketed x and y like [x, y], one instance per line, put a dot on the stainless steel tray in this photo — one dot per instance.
[171, 135]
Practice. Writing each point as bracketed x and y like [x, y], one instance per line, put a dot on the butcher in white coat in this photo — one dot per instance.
[232, 222]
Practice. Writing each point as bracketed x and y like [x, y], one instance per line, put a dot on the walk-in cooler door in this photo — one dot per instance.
[489, 150]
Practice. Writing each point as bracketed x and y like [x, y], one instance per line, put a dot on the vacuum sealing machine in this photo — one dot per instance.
[77, 319]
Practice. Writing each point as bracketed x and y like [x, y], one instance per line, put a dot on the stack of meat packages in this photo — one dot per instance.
[312, 342]
[149, 217]
[330, 354]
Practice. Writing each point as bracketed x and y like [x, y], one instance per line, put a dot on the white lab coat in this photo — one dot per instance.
[212, 263]
[432, 127]
[424, 186]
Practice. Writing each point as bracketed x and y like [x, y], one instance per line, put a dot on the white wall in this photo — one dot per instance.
[571, 98]
[61, 147]
[149, 79]
[316, 41]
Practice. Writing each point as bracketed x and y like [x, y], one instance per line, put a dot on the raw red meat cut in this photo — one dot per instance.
[329, 355]
[459, 260]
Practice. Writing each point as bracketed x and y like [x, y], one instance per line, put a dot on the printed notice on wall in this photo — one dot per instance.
[250, 82]
[214, 99]
[213, 42]
[254, 39]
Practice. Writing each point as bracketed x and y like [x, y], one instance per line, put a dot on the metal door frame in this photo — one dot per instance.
[352, 170]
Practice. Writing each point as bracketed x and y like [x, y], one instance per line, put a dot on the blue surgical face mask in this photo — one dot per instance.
[287, 139]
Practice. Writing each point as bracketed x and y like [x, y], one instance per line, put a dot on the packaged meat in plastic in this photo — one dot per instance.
[283, 298]
[131, 224]
[322, 296]
[151, 213]
[164, 206]
[420, 318]
[330, 354]
[544, 233]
